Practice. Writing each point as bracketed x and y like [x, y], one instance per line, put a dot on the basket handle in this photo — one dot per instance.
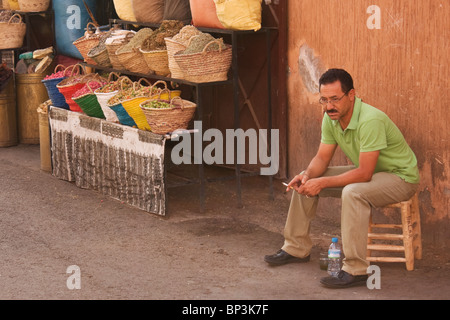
[135, 86]
[143, 79]
[69, 68]
[89, 87]
[174, 106]
[60, 65]
[121, 82]
[87, 27]
[72, 68]
[121, 78]
[15, 14]
[129, 34]
[113, 73]
[158, 82]
[210, 43]
[81, 68]
[190, 39]
[162, 91]
[91, 77]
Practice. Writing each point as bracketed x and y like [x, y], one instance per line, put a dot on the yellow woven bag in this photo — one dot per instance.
[133, 108]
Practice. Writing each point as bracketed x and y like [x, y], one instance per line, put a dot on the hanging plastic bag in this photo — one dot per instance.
[239, 14]
[71, 17]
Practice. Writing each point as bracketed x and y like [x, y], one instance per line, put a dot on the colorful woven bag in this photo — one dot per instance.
[87, 100]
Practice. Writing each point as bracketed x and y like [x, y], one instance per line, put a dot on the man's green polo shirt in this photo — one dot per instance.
[371, 129]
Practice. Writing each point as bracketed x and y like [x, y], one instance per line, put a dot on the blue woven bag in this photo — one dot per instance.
[123, 116]
[57, 97]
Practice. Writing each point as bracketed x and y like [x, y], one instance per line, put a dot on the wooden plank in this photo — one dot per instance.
[386, 226]
[386, 259]
[385, 247]
[385, 236]
[399, 204]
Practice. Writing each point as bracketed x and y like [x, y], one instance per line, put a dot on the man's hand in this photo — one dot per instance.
[311, 188]
[297, 182]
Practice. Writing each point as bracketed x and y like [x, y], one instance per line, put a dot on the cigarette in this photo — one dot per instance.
[284, 183]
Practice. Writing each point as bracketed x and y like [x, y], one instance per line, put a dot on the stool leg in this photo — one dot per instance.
[417, 233]
[407, 235]
[369, 240]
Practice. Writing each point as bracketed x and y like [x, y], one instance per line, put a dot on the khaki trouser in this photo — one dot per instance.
[357, 200]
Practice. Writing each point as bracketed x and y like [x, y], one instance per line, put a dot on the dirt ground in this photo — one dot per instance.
[48, 225]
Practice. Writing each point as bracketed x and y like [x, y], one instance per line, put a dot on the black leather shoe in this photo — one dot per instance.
[282, 257]
[344, 280]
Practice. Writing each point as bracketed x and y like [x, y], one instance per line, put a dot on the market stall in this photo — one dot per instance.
[119, 161]
[111, 112]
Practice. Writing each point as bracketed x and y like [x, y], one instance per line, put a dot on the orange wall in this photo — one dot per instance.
[402, 68]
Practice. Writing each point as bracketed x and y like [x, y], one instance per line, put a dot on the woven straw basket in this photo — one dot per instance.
[101, 58]
[128, 111]
[117, 107]
[133, 108]
[206, 66]
[166, 94]
[11, 33]
[55, 96]
[133, 61]
[103, 97]
[157, 61]
[34, 5]
[89, 103]
[163, 121]
[172, 48]
[72, 84]
[112, 48]
[86, 43]
[123, 116]
[67, 91]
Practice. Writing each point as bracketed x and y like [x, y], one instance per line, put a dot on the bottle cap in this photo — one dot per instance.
[334, 240]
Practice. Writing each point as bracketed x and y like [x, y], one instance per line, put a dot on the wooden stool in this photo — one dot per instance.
[410, 237]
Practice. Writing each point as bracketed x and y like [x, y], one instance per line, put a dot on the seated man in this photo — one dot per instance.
[384, 171]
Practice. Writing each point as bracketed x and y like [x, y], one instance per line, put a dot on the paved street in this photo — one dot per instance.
[58, 241]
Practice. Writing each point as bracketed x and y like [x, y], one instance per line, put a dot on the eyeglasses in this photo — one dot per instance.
[324, 101]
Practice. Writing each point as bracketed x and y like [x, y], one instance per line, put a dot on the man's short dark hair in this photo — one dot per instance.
[333, 75]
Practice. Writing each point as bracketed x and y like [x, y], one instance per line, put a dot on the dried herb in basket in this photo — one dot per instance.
[199, 42]
[167, 29]
[101, 44]
[186, 33]
[136, 41]
[157, 104]
[5, 16]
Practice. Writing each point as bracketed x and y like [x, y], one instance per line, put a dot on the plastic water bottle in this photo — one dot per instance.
[334, 258]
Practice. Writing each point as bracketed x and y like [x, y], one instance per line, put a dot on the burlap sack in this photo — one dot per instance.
[150, 11]
[178, 10]
[5, 5]
[124, 10]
